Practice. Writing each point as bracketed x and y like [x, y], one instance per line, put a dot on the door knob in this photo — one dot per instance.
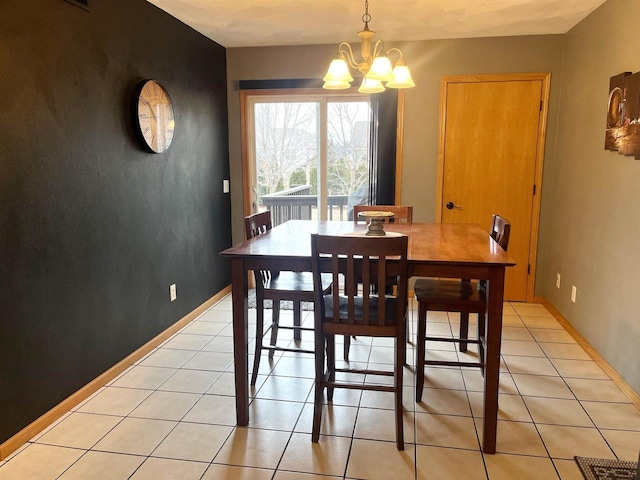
[451, 206]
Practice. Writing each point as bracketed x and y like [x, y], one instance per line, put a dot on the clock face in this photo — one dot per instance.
[153, 116]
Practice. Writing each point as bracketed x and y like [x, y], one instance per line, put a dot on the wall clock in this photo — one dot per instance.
[153, 118]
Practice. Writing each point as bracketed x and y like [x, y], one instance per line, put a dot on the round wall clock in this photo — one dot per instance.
[153, 117]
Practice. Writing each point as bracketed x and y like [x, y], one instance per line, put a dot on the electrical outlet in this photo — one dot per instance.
[172, 292]
[225, 186]
[557, 280]
[573, 293]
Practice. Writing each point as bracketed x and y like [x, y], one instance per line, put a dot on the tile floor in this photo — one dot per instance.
[171, 416]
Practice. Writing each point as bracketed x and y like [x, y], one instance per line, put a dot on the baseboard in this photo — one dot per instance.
[37, 426]
[615, 377]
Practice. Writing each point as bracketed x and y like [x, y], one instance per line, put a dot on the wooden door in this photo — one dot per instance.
[491, 151]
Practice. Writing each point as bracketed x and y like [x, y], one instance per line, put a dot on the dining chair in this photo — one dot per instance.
[347, 310]
[400, 212]
[278, 286]
[451, 295]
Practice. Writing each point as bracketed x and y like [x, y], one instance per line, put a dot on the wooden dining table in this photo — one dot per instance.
[435, 250]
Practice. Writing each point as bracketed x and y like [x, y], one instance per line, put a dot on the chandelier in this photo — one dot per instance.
[375, 65]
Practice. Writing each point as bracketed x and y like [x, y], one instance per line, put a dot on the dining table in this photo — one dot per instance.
[435, 250]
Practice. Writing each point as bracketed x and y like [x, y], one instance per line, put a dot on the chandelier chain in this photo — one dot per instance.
[366, 18]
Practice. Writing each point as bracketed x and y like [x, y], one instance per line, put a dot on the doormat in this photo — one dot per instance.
[604, 469]
[284, 304]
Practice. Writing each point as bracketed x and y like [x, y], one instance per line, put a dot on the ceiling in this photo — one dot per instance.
[252, 23]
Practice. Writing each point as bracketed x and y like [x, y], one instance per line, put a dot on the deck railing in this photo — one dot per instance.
[296, 203]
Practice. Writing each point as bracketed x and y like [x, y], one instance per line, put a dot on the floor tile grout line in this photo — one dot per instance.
[475, 428]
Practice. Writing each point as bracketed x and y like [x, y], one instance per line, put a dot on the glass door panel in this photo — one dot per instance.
[348, 142]
[308, 155]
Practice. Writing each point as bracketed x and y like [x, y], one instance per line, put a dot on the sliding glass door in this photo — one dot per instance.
[308, 156]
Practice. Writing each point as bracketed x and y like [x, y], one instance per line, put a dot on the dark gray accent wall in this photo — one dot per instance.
[93, 229]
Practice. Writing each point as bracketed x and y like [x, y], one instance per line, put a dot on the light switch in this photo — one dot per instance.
[225, 186]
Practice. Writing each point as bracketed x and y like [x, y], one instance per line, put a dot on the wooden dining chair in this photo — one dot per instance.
[347, 310]
[277, 286]
[451, 295]
[401, 213]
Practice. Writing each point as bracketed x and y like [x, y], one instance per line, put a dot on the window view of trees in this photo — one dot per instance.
[287, 146]
[348, 147]
[286, 141]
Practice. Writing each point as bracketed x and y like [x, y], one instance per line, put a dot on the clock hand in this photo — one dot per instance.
[150, 108]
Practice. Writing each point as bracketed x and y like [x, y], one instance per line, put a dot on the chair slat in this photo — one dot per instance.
[336, 290]
[366, 290]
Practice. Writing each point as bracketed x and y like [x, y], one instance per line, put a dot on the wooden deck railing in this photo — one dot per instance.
[297, 204]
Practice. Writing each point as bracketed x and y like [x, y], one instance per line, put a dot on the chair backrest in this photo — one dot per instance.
[500, 231]
[257, 224]
[370, 261]
[400, 212]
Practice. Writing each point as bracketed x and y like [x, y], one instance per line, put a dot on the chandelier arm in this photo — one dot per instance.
[348, 54]
[377, 49]
[394, 50]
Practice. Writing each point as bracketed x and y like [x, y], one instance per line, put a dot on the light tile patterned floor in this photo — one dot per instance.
[172, 415]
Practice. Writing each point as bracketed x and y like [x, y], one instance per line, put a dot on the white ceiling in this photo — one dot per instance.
[251, 23]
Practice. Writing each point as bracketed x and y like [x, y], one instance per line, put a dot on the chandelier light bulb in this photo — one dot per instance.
[401, 76]
[380, 70]
[335, 85]
[338, 72]
[370, 86]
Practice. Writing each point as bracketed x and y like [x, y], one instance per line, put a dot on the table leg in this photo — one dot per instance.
[239, 292]
[493, 333]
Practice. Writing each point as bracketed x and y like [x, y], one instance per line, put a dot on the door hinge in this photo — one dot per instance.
[540, 105]
[528, 269]
[534, 189]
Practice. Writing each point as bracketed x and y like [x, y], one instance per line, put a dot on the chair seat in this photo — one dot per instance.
[441, 294]
[358, 304]
[294, 284]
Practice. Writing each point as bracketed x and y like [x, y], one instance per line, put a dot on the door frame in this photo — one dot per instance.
[545, 78]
